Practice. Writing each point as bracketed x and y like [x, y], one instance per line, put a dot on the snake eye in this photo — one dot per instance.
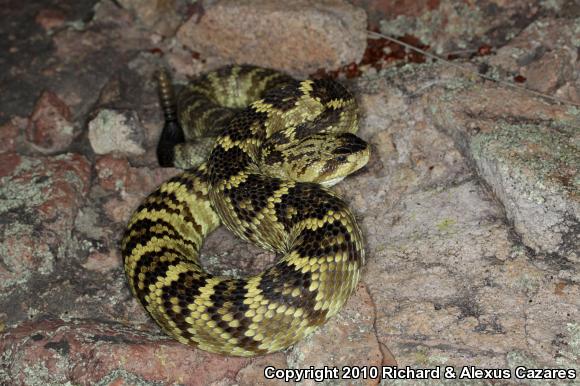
[341, 158]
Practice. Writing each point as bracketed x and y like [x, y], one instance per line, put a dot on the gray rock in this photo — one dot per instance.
[533, 171]
[116, 131]
[527, 151]
[455, 26]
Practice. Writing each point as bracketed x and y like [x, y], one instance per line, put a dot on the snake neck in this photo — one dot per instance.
[230, 158]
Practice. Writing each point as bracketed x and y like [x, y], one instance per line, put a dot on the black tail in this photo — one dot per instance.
[172, 133]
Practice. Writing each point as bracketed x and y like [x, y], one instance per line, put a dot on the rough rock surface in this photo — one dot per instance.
[450, 279]
[40, 200]
[459, 27]
[527, 150]
[469, 203]
[9, 133]
[296, 36]
[545, 54]
[95, 351]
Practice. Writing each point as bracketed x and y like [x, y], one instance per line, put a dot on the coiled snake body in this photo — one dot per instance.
[270, 142]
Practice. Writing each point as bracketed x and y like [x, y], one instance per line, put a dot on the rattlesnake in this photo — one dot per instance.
[258, 147]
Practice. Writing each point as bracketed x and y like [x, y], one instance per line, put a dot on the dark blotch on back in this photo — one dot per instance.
[283, 97]
[326, 90]
[256, 189]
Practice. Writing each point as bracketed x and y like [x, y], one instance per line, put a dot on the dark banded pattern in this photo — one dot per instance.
[276, 140]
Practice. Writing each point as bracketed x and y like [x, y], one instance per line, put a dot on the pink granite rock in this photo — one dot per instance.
[50, 128]
[88, 352]
[299, 36]
[41, 198]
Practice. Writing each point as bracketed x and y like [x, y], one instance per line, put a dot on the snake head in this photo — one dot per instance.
[324, 158]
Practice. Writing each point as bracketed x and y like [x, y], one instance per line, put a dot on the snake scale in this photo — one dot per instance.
[259, 149]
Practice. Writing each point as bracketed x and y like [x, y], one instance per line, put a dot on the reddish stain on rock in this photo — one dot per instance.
[128, 184]
[50, 18]
[70, 184]
[378, 52]
[8, 135]
[8, 162]
[110, 170]
[50, 127]
[484, 50]
[116, 174]
[43, 199]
